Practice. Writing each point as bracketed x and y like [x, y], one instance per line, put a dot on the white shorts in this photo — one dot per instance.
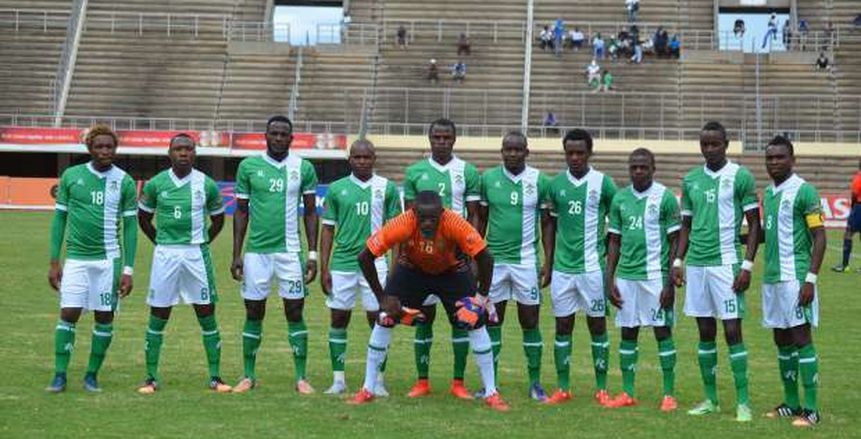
[518, 282]
[642, 304]
[181, 270]
[347, 285]
[261, 268]
[709, 293]
[574, 292]
[90, 285]
[780, 308]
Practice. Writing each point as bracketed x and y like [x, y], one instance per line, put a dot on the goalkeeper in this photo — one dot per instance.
[434, 243]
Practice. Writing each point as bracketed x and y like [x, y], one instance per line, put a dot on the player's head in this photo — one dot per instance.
[181, 151]
[102, 144]
[578, 148]
[713, 144]
[428, 207]
[779, 158]
[279, 134]
[362, 158]
[514, 151]
[641, 167]
[442, 134]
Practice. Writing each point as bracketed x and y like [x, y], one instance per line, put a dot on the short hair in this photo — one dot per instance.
[515, 133]
[442, 122]
[578, 134]
[279, 118]
[780, 140]
[183, 136]
[425, 198]
[644, 152]
[100, 130]
[363, 142]
[716, 126]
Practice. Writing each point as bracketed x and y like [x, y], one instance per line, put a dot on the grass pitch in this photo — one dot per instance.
[184, 407]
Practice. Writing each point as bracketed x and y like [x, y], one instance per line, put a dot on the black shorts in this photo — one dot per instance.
[412, 286]
[854, 220]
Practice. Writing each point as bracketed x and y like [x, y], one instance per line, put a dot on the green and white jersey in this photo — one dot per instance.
[581, 207]
[457, 182]
[181, 206]
[274, 191]
[357, 209]
[95, 203]
[643, 220]
[716, 202]
[788, 241]
[514, 205]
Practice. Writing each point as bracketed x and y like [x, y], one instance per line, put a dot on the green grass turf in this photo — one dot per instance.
[185, 408]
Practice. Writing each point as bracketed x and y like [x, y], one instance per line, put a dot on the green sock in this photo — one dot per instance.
[297, 333]
[787, 361]
[533, 346]
[562, 358]
[152, 349]
[211, 344]
[64, 342]
[422, 344]
[809, 366]
[600, 359]
[252, 336]
[667, 357]
[707, 355]
[102, 336]
[460, 347]
[738, 362]
[495, 333]
[628, 364]
[338, 348]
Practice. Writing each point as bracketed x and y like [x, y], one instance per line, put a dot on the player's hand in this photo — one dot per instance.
[742, 282]
[55, 275]
[125, 285]
[310, 270]
[326, 281]
[678, 275]
[488, 305]
[546, 275]
[236, 268]
[392, 306]
[668, 296]
[614, 295]
[805, 296]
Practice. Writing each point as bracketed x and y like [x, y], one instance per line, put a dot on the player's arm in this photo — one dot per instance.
[614, 244]
[58, 230]
[473, 196]
[240, 227]
[215, 207]
[473, 215]
[750, 205]
[130, 235]
[677, 272]
[326, 238]
[146, 225]
[548, 242]
[146, 210]
[671, 217]
[484, 262]
[816, 226]
[215, 226]
[310, 219]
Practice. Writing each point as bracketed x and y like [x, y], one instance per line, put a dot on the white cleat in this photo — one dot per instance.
[338, 388]
[380, 390]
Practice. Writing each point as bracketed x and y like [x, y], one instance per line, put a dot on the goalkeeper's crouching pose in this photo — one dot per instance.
[434, 243]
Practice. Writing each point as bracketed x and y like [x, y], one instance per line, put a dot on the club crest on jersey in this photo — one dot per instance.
[593, 196]
[458, 178]
[198, 194]
[725, 183]
[529, 189]
[785, 204]
[652, 210]
[425, 176]
[378, 193]
[294, 175]
[113, 187]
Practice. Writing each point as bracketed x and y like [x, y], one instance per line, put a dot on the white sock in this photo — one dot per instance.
[377, 346]
[479, 339]
[338, 376]
[380, 378]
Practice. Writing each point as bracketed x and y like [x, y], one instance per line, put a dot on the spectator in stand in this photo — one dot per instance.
[545, 38]
[822, 63]
[402, 37]
[463, 45]
[648, 46]
[558, 34]
[771, 34]
[433, 71]
[577, 39]
[633, 7]
[786, 32]
[661, 40]
[598, 47]
[593, 74]
[613, 48]
[551, 124]
[803, 29]
[458, 71]
[607, 82]
[675, 47]
[637, 58]
[738, 28]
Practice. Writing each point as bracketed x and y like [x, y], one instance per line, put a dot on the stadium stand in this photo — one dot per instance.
[246, 96]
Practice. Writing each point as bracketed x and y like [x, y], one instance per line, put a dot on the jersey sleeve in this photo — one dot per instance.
[670, 215]
[459, 230]
[330, 207]
[483, 188]
[309, 178]
[746, 187]
[687, 209]
[473, 184]
[393, 201]
[62, 202]
[392, 233]
[148, 199]
[214, 201]
[242, 190]
[129, 196]
[809, 205]
[544, 201]
[608, 192]
[615, 218]
[551, 199]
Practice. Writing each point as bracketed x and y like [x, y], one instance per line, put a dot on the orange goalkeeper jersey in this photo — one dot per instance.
[434, 256]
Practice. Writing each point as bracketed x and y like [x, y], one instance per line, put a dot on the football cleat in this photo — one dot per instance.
[420, 388]
[558, 397]
[218, 386]
[304, 387]
[704, 408]
[364, 396]
[244, 385]
[459, 390]
[380, 389]
[537, 392]
[621, 400]
[496, 402]
[808, 418]
[743, 413]
[783, 411]
[149, 387]
[840, 268]
[669, 404]
[58, 384]
[91, 384]
[338, 388]
[602, 397]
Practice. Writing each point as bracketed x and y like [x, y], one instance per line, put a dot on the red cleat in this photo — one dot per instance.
[602, 397]
[621, 400]
[496, 402]
[459, 390]
[558, 397]
[420, 388]
[364, 396]
[669, 404]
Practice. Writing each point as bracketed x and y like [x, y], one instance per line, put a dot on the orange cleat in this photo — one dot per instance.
[602, 397]
[148, 388]
[304, 387]
[420, 388]
[496, 402]
[621, 400]
[558, 397]
[669, 404]
[244, 385]
[364, 396]
[459, 390]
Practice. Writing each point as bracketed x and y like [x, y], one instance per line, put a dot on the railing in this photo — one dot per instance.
[68, 57]
[727, 40]
[167, 24]
[488, 30]
[17, 20]
[349, 34]
[257, 31]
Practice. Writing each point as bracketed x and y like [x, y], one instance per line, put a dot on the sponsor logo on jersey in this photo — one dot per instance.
[259, 172]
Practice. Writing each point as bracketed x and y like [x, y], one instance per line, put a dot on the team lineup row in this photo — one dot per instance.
[467, 240]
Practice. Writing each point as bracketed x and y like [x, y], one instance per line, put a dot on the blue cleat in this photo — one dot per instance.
[58, 384]
[91, 384]
[537, 392]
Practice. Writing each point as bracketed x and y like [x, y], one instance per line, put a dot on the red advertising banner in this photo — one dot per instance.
[300, 141]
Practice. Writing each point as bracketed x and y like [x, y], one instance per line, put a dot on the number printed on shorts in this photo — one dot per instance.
[729, 306]
[799, 312]
[204, 294]
[575, 208]
[533, 294]
[294, 287]
[657, 314]
[276, 185]
[597, 305]
[105, 299]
